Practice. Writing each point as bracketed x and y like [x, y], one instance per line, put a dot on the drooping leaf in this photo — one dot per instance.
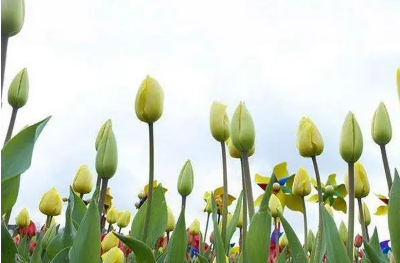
[294, 243]
[235, 218]
[142, 252]
[219, 245]
[8, 248]
[62, 256]
[177, 244]
[9, 193]
[394, 215]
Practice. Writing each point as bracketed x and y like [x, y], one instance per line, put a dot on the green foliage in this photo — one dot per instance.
[37, 252]
[219, 245]
[177, 244]
[62, 256]
[294, 243]
[235, 218]
[8, 248]
[142, 252]
[394, 215]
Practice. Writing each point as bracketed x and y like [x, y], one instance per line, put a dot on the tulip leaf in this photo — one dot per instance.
[372, 254]
[318, 251]
[202, 259]
[282, 256]
[158, 218]
[176, 249]
[294, 243]
[79, 207]
[374, 243]
[142, 252]
[336, 251]
[235, 218]
[394, 215]
[37, 252]
[219, 245]
[9, 193]
[8, 248]
[89, 229]
[161, 258]
[23, 248]
[62, 256]
[48, 236]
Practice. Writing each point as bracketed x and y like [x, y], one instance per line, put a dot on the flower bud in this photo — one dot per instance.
[381, 129]
[358, 241]
[12, 17]
[309, 140]
[361, 184]
[185, 179]
[351, 141]
[171, 221]
[219, 122]
[367, 215]
[310, 240]
[109, 241]
[114, 255]
[149, 101]
[51, 203]
[83, 183]
[22, 219]
[329, 209]
[242, 129]
[123, 219]
[234, 153]
[208, 208]
[275, 206]
[240, 220]
[112, 215]
[343, 232]
[283, 241]
[19, 88]
[107, 155]
[194, 228]
[301, 184]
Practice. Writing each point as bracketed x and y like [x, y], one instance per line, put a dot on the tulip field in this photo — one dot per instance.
[254, 230]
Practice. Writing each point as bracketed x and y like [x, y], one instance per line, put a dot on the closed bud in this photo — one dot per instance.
[208, 208]
[283, 241]
[310, 241]
[219, 122]
[343, 232]
[309, 140]
[301, 184]
[114, 255]
[149, 101]
[112, 215]
[22, 219]
[361, 184]
[12, 17]
[367, 215]
[240, 220]
[275, 206]
[194, 228]
[123, 219]
[51, 203]
[242, 129]
[234, 153]
[351, 141]
[381, 129]
[19, 88]
[171, 221]
[83, 183]
[109, 241]
[185, 179]
[107, 155]
[358, 241]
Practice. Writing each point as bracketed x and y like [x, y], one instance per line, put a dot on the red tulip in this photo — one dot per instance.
[16, 239]
[29, 231]
[358, 241]
[32, 246]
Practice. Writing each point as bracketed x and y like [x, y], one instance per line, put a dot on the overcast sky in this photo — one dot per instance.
[284, 59]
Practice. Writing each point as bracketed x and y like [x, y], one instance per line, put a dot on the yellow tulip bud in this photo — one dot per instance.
[242, 129]
[114, 255]
[22, 219]
[123, 219]
[219, 122]
[19, 90]
[301, 184]
[275, 206]
[194, 228]
[107, 155]
[283, 241]
[83, 183]
[171, 221]
[149, 101]
[367, 215]
[185, 179]
[381, 129]
[240, 220]
[310, 240]
[109, 241]
[208, 208]
[329, 209]
[12, 17]
[234, 153]
[361, 184]
[309, 140]
[343, 232]
[351, 141]
[51, 203]
[112, 215]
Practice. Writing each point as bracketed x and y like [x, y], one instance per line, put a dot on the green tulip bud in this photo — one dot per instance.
[185, 179]
[381, 129]
[149, 101]
[100, 135]
[12, 17]
[310, 241]
[107, 155]
[19, 90]
[242, 129]
[351, 141]
[219, 122]
[343, 232]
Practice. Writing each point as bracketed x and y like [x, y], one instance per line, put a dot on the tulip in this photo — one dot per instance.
[112, 215]
[208, 207]
[275, 206]
[51, 203]
[219, 122]
[361, 184]
[381, 129]
[194, 228]
[12, 17]
[283, 241]
[109, 241]
[185, 179]
[309, 140]
[83, 183]
[351, 141]
[343, 232]
[301, 184]
[171, 221]
[114, 255]
[242, 129]
[107, 155]
[367, 215]
[310, 240]
[149, 101]
[29, 230]
[22, 219]
[123, 219]
[240, 220]
[358, 241]
[19, 89]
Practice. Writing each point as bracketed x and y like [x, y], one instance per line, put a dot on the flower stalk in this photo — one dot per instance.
[205, 232]
[386, 167]
[305, 223]
[249, 191]
[225, 195]
[244, 232]
[350, 224]
[11, 124]
[364, 228]
[320, 201]
[103, 190]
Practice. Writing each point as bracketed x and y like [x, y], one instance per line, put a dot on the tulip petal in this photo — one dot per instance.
[294, 203]
[258, 200]
[282, 197]
[339, 204]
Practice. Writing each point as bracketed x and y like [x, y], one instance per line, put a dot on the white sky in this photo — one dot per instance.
[284, 59]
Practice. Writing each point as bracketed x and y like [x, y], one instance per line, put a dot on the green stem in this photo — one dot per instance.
[244, 233]
[48, 221]
[350, 224]
[151, 179]
[363, 226]
[183, 203]
[205, 232]
[98, 183]
[109, 228]
[225, 195]
[11, 124]
[119, 231]
[305, 223]
[240, 239]
[81, 196]
[103, 190]
[386, 166]
[250, 200]
[276, 238]
[320, 204]
[4, 44]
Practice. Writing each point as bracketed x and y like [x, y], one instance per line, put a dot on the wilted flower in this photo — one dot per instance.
[351, 141]
[22, 219]
[112, 215]
[83, 183]
[219, 122]
[51, 203]
[194, 228]
[309, 140]
[19, 88]
[149, 101]
[185, 179]
[367, 215]
[109, 241]
[381, 129]
[301, 184]
[242, 129]
[107, 154]
[12, 17]
[114, 255]
[361, 184]
[275, 206]
[171, 221]
[283, 241]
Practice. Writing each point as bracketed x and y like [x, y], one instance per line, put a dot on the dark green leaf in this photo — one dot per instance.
[62, 256]
[373, 256]
[374, 243]
[235, 218]
[23, 248]
[202, 259]
[9, 193]
[394, 215]
[142, 251]
[177, 245]
[219, 245]
[296, 249]
[161, 258]
[8, 248]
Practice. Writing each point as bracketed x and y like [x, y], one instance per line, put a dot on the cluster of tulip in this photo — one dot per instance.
[155, 236]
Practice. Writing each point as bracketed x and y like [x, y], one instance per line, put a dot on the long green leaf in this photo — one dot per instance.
[49, 235]
[79, 208]
[37, 252]
[9, 193]
[294, 243]
[318, 251]
[142, 251]
[23, 248]
[282, 256]
[219, 245]
[235, 218]
[62, 256]
[374, 243]
[161, 258]
[178, 243]
[394, 215]
[202, 259]
[8, 248]
[373, 255]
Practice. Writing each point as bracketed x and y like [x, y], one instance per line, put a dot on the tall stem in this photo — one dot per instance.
[109, 228]
[305, 223]
[240, 239]
[183, 203]
[103, 190]
[48, 221]
[362, 219]
[151, 179]
[386, 166]
[4, 44]
[276, 238]
[244, 233]
[11, 125]
[250, 200]
[351, 211]
[320, 204]
[225, 195]
[98, 183]
[205, 232]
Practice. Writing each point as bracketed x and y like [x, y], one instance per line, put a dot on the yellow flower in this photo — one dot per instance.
[240, 220]
[112, 215]
[107, 153]
[185, 179]
[12, 17]
[234, 251]
[343, 232]
[301, 184]
[109, 241]
[194, 228]
[351, 141]
[83, 183]
[123, 218]
[171, 221]
[108, 198]
[381, 129]
[22, 219]
[309, 140]
[329, 209]
[149, 101]
[242, 129]
[219, 122]
[275, 206]
[208, 208]
[51, 203]
[19, 90]
[361, 184]
[367, 215]
[114, 255]
[234, 153]
[283, 241]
